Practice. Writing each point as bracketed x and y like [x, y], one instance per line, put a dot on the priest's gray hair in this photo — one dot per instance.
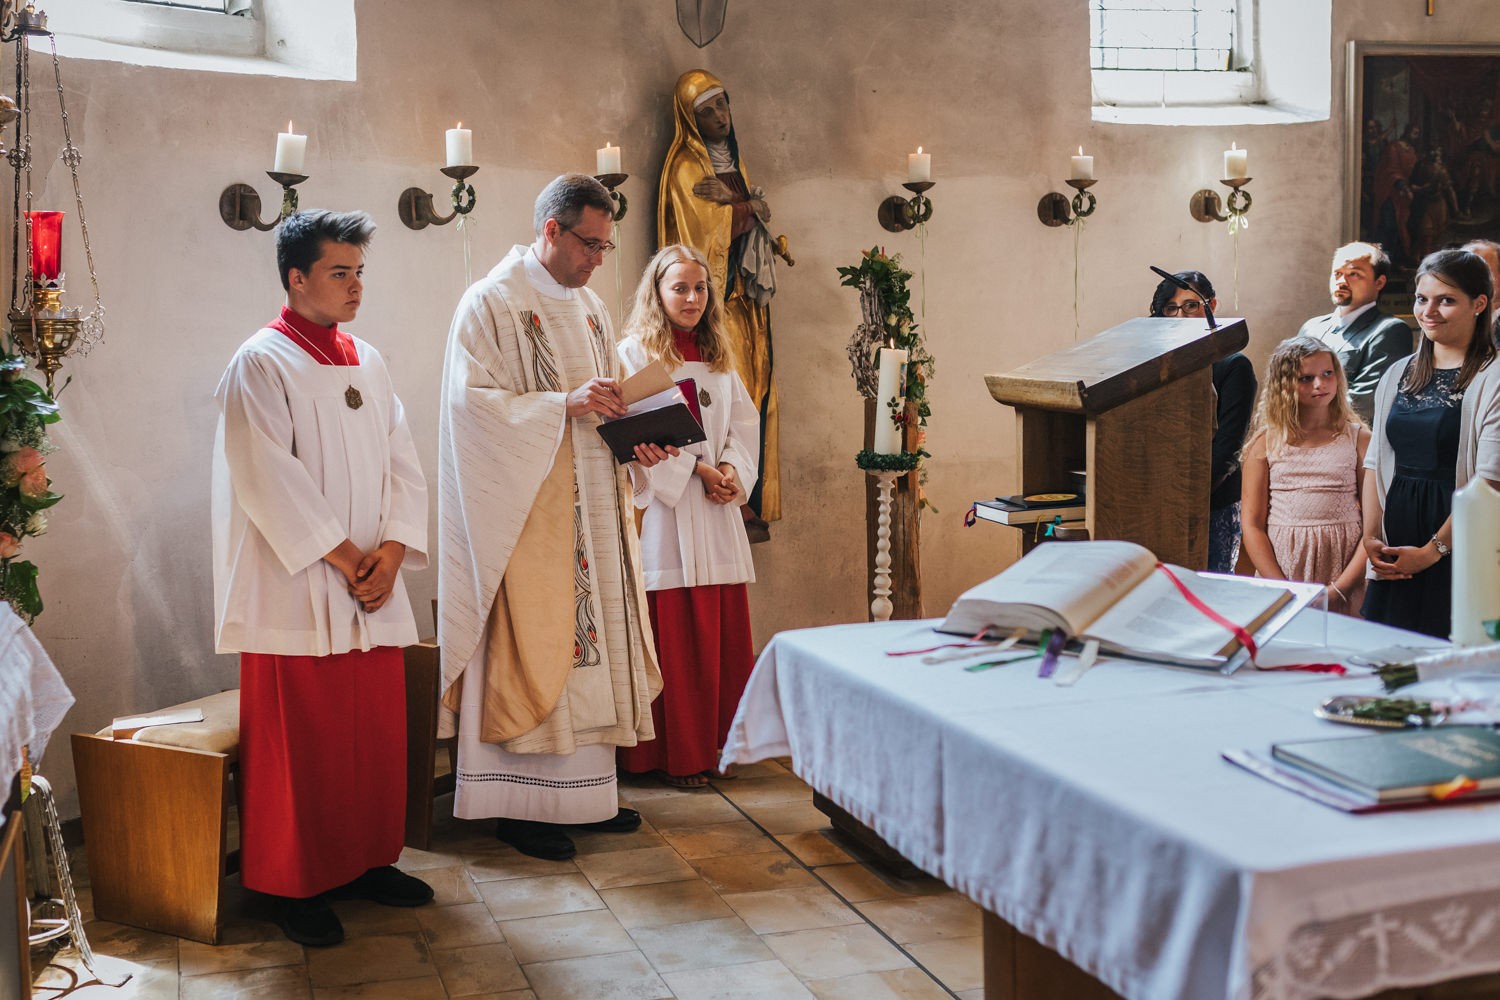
[301, 235]
[566, 198]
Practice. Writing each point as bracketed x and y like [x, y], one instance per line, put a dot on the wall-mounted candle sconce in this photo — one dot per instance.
[415, 206]
[607, 172]
[613, 181]
[898, 214]
[1053, 209]
[239, 204]
[1205, 205]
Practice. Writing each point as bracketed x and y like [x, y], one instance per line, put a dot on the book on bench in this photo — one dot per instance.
[1116, 593]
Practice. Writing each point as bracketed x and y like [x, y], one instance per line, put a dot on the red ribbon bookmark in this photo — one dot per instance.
[1242, 634]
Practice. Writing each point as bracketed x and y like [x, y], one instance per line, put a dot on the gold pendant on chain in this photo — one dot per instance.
[353, 398]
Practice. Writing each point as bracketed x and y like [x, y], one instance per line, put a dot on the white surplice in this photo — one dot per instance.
[520, 341]
[296, 471]
[687, 541]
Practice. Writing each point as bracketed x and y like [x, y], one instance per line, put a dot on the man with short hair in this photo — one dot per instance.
[1366, 340]
[1489, 252]
[318, 500]
[548, 657]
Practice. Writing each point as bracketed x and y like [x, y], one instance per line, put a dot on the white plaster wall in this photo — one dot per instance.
[829, 97]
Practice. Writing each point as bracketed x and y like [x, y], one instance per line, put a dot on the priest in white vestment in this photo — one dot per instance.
[548, 657]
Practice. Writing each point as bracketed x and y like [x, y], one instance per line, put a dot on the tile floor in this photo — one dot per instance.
[736, 892]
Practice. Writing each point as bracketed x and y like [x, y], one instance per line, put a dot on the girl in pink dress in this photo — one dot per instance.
[1303, 472]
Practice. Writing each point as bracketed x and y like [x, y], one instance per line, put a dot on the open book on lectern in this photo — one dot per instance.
[1116, 593]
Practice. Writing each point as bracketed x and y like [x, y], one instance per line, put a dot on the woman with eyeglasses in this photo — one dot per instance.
[1234, 382]
[1437, 425]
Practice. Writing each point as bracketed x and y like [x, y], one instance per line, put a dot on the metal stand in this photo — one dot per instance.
[881, 607]
[52, 917]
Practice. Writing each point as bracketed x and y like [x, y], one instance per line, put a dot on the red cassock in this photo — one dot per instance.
[703, 644]
[322, 766]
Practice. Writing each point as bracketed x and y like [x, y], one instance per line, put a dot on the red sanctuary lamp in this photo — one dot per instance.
[47, 329]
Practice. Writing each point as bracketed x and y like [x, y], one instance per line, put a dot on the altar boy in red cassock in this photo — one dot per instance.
[318, 501]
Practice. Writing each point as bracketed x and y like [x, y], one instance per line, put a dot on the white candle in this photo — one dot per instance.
[918, 166]
[460, 146]
[291, 151]
[1083, 166]
[887, 433]
[1236, 163]
[607, 160]
[1476, 562]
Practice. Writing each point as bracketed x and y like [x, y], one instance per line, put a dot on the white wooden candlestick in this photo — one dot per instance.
[881, 607]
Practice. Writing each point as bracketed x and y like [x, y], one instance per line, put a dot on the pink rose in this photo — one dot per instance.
[9, 545]
[27, 468]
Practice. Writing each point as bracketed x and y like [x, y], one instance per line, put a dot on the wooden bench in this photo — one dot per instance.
[156, 808]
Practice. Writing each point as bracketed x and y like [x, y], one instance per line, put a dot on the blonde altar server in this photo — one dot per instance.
[693, 541]
[547, 650]
[318, 502]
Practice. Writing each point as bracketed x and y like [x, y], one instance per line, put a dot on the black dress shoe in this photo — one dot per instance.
[623, 822]
[387, 886]
[309, 921]
[539, 840]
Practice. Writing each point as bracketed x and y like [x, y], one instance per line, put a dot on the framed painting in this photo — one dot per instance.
[1422, 151]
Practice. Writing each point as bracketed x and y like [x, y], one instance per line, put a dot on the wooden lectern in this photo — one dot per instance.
[1135, 408]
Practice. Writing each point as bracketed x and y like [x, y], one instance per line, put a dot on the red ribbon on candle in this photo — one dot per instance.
[46, 245]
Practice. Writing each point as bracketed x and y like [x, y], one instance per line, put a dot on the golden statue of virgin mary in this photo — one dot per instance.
[707, 202]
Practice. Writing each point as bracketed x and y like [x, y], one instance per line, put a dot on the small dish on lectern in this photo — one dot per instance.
[1380, 712]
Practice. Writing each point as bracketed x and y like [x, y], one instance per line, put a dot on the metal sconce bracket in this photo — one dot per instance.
[1206, 207]
[415, 207]
[898, 215]
[1053, 209]
[612, 181]
[239, 204]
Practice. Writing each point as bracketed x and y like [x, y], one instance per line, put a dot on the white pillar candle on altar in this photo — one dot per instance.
[1236, 163]
[918, 166]
[460, 146]
[607, 160]
[1083, 167]
[890, 386]
[291, 151]
[1476, 562]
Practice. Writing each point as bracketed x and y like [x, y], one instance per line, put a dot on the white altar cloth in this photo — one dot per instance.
[1100, 819]
[33, 697]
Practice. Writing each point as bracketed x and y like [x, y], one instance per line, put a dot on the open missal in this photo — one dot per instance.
[1113, 592]
[657, 411]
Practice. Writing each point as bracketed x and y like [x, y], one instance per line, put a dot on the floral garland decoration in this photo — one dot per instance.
[25, 491]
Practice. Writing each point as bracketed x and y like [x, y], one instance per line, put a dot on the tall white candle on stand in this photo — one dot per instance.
[460, 146]
[887, 434]
[918, 166]
[291, 151]
[1083, 166]
[607, 160]
[1236, 163]
[1476, 562]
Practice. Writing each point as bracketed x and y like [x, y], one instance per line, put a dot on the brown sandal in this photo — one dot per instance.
[682, 780]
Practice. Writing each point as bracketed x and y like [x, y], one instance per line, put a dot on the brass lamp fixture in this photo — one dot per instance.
[1053, 209]
[41, 326]
[1206, 207]
[239, 204]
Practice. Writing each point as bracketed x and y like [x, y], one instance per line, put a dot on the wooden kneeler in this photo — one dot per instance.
[156, 818]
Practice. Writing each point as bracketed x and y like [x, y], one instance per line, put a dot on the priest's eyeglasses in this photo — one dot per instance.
[1192, 307]
[592, 247]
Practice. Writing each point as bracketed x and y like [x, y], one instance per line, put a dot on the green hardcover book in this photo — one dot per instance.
[1404, 766]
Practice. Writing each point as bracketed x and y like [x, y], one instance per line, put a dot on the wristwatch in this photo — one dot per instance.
[1442, 547]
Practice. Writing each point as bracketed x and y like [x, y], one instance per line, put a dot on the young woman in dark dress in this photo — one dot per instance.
[1437, 424]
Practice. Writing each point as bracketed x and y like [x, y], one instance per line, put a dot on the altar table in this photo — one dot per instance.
[1100, 820]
